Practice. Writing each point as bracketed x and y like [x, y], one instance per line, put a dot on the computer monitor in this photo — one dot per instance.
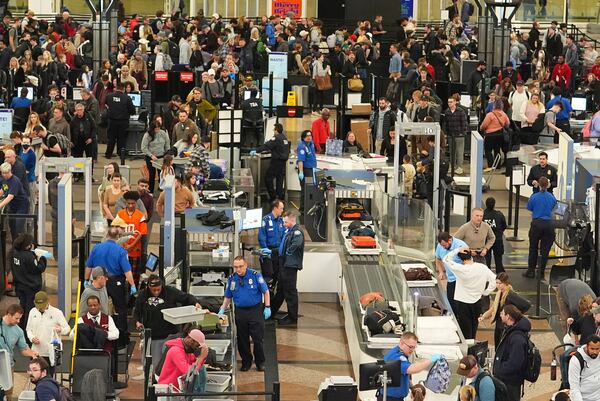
[77, 94]
[370, 374]
[253, 219]
[248, 94]
[29, 92]
[579, 103]
[465, 101]
[136, 98]
[561, 208]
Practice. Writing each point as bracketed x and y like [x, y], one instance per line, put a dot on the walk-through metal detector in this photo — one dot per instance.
[63, 165]
[168, 239]
[419, 129]
[476, 184]
[65, 217]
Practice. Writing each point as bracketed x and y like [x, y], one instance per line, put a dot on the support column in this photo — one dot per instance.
[168, 239]
[65, 232]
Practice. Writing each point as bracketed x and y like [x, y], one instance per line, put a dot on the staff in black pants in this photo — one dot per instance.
[307, 161]
[279, 146]
[495, 219]
[541, 232]
[291, 254]
[247, 287]
[120, 107]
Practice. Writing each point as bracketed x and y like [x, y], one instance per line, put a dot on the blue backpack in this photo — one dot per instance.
[438, 378]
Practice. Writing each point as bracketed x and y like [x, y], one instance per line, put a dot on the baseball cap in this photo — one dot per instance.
[41, 300]
[118, 222]
[198, 336]
[519, 82]
[466, 364]
[481, 62]
[98, 271]
[248, 78]
[216, 16]
[211, 72]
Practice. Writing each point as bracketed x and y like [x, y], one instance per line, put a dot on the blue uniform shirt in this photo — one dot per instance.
[111, 256]
[541, 205]
[271, 231]
[441, 252]
[306, 154]
[563, 114]
[248, 290]
[393, 355]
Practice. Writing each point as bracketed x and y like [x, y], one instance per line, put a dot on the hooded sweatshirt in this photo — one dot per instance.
[510, 361]
[177, 362]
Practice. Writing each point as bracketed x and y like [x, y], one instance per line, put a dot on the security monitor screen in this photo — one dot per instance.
[253, 219]
[579, 103]
[136, 98]
[77, 94]
[29, 92]
[248, 94]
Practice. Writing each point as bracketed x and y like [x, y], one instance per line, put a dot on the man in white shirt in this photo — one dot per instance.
[473, 280]
[516, 100]
[96, 330]
[45, 324]
[583, 381]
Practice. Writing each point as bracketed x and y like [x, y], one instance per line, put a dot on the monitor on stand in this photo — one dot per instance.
[380, 374]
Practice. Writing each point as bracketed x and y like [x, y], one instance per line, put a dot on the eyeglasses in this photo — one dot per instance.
[411, 347]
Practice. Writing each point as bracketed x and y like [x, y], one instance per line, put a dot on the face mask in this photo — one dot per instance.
[25, 147]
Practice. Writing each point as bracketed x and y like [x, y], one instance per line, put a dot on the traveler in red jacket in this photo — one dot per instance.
[321, 130]
[181, 355]
[561, 74]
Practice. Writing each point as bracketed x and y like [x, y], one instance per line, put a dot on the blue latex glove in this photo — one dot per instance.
[434, 358]
[221, 312]
[86, 283]
[266, 251]
[267, 313]
[253, 153]
[301, 176]
[133, 290]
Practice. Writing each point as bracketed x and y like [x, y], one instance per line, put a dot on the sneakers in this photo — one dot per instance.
[458, 170]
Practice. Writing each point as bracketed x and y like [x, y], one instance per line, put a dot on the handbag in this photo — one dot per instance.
[56, 350]
[323, 83]
[506, 131]
[355, 85]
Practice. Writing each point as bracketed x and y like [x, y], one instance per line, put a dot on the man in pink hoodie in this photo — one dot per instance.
[181, 356]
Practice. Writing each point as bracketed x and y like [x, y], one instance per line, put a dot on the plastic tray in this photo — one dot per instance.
[27, 395]
[217, 383]
[207, 290]
[183, 314]
[419, 283]
[220, 347]
[5, 370]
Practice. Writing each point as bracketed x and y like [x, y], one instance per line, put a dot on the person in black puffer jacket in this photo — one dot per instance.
[510, 362]
[27, 269]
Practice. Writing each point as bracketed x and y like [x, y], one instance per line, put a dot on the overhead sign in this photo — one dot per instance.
[161, 76]
[282, 7]
[278, 64]
[186, 76]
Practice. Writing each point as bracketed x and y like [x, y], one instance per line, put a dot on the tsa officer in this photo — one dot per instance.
[542, 170]
[269, 237]
[291, 253]
[541, 232]
[247, 287]
[279, 146]
[307, 161]
[113, 258]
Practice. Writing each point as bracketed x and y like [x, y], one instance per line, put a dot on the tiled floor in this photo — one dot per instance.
[317, 347]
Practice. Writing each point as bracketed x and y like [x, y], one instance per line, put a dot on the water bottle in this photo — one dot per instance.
[553, 369]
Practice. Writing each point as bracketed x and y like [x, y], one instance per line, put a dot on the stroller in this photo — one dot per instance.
[562, 362]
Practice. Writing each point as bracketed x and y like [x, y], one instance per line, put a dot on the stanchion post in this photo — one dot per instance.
[517, 179]
[594, 272]
[271, 94]
[276, 391]
[510, 196]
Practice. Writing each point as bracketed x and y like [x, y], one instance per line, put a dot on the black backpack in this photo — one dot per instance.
[212, 218]
[174, 51]
[534, 361]
[161, 362]
[582, 363]
[382, 322]
[501, 393]
[64, 143]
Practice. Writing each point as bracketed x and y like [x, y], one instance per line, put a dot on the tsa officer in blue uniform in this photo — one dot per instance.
[247, 287]
[113, 258]
[541, 232]
[269, 238]
[291, 255]
[307, 161]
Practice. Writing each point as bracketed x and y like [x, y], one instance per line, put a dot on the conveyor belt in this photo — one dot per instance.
[367, 278]
[362, 259]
